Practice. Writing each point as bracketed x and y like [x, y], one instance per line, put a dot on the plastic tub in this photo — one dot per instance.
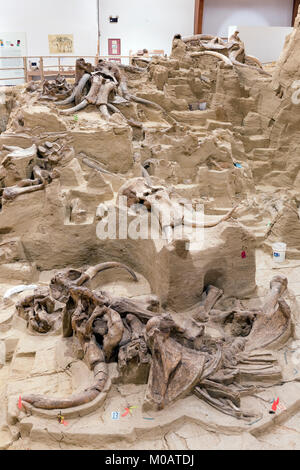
[279, 251]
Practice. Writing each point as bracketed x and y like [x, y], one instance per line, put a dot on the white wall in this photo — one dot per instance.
[264, 42]
[220, 14]
[149, 24]
[143, 23]
[38, 18]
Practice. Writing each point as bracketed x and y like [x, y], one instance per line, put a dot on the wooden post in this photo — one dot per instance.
[25, 69]
[99, 33]
[59, 65]
[295, 11]
[42, 68]
[199, 9]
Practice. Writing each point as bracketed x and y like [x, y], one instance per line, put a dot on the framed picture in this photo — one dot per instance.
[61, 43]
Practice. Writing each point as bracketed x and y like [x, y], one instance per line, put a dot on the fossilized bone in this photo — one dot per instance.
[175, 369]
[82, 68]
[105, 86]
[212, 295]
[157, 200]
[132, 122]
[83, 307]
[134, 358]
[238, 50]
[37, 310]
[234, 51]
[197, 37]
[274, 325]
[132, 69]
[41, 179]
[91, 164]
[77, 92]
[93, 271]
[219, 56]
[209, 368]
[56, 89]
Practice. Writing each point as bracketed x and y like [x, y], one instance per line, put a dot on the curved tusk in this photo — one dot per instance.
[191, 223]
[79, 107]
[114, 109]
[154, 105]
[94, 270]
[39, 401]
[196, 37]
[80, 87]
[68, 100]
[133, 123]
[146, 102]
[83, 81]
[254, 59]
[131, 68]
[252, 67]
[214, 54]
[42, 402]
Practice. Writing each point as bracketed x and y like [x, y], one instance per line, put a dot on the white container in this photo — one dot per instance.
[279, 251]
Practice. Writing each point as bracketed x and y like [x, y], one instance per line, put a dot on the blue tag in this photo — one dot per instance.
[238, 165]
[115, 415]
[276, 255]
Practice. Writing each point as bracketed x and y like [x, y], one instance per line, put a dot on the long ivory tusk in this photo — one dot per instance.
[68, 100]
[133, 123]
[83, 81]
[80, 87]
[79, 107]
[196, 37]
[154, 105]
[191, 223]
[214, 54]
[101, 376]
[94, 270]
[42, 402]
[146, 102]
[132, 69]
[232, 56]
[255, 59]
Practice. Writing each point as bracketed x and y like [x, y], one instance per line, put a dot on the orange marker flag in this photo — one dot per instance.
[20, 403]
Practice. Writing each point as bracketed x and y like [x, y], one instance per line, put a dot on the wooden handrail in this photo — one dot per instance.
[12, 68]
[60, 67]
[12, 78]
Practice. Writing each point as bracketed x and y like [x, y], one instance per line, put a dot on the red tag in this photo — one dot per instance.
[244, 254]
[20, 403]
[126, 412]
[275, 404]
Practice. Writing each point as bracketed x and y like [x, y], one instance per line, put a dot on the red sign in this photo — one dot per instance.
[114, 47]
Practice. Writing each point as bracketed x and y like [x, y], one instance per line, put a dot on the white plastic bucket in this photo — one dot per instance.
[279, 251]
